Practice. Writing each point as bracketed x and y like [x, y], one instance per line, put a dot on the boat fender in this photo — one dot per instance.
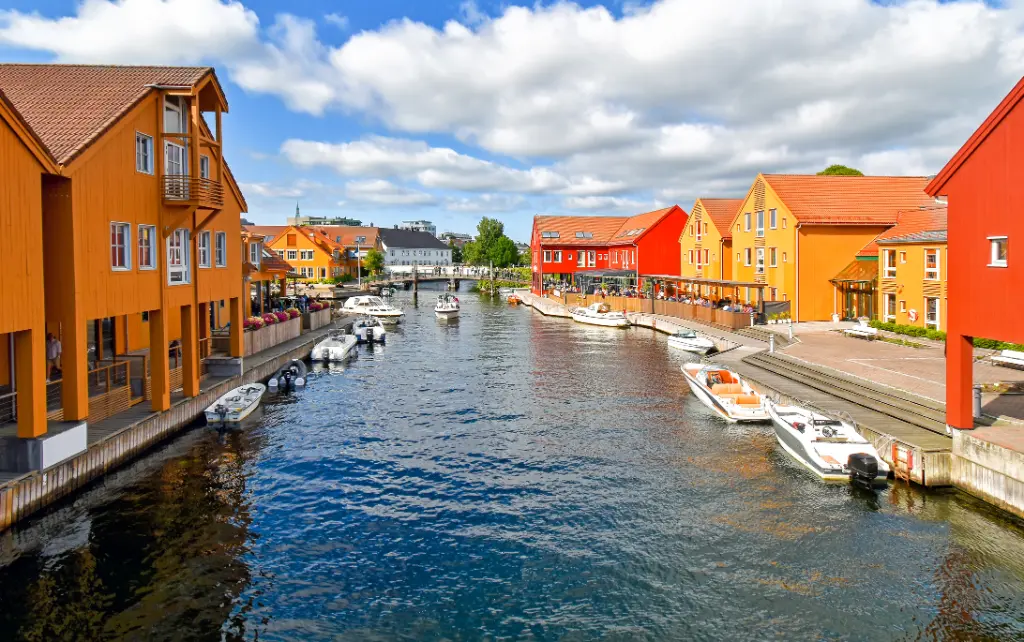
[272, 384]
[300, 381]
[799, 426]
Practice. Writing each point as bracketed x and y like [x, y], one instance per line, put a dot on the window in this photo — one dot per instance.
[737, 257]
[775, 291]
[1000, 249]
[221, 240]
[760, 223]
[204, 167]
[772, 221]
[691, 257]
[632, 256]
[591, 259]
[760, 261]
[549, 235]
[120, 244]
[706, 257]
[889, 256]
[699, 262]
[292, 255]
[783, 257]
[323, 273]
[746, 256]
[143, 153]
[746, 222]
[147, 247]
[699, 233]
[174, 116]
[931, 265]
[306, 255]
[547, 256]
[931, 313]
[204, 249]
[255, 253]
[705, 228]
[691, 229]
[903, 306]
[783, 222]
[557, 256]
[903, 257]
[178, 258]
[584, 235]
[359, 239]
[773, 257]
[890, 307]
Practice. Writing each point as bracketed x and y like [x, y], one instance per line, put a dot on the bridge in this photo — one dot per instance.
[408, 276]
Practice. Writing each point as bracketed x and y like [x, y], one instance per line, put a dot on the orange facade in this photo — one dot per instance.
[706, 242]
[312, 255]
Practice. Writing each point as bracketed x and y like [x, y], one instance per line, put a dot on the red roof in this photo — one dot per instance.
[910, 222]
[273, 231]
[348, 234]
[598, 230]
[722, 211]
[849, 200]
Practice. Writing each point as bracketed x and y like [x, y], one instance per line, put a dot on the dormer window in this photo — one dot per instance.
[584, 235]
[549, 235]
[360, 239]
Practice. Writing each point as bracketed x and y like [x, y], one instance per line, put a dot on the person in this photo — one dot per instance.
[53, 349]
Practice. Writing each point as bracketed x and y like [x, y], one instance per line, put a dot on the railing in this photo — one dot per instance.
[185, 188]
[103, 379]
[8, 407]
[715, 316]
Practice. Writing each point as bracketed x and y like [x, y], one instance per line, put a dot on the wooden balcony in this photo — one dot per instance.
[182, 189]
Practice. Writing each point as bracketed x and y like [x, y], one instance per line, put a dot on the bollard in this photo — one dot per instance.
[977, 402]
[771, 343]
[790, 331]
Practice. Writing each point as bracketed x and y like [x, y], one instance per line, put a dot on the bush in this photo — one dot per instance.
[269, 318]
[909, 330]
[992, 344]
[293, 313]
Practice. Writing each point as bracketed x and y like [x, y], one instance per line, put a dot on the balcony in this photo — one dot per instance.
[182, 189]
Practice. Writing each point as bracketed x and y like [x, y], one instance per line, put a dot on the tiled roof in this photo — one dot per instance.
[69, 106]
[348, 234]
[931, 236]
[849, 200]
[634, 226]
[597, 230]
[273, 231]
[722, 211]
[910, 225]
[271, 262]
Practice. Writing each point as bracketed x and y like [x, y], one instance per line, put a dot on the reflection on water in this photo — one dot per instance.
[509, 476]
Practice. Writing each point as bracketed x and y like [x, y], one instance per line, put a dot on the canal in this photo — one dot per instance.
[509, 476]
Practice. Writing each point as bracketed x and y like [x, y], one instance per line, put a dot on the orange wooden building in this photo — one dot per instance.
[912, 269]
[136, 240]
[319, 252]
[706, 242]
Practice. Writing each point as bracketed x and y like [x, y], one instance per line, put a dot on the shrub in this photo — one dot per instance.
[269, 318]
[293, 313]
[992, 344]
[936, 335]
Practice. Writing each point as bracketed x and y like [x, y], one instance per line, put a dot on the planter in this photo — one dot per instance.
[318, 319]
[272, 335]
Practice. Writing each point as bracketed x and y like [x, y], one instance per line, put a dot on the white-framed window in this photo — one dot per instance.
[547, 256]
[903, 306]
[359, 239]
[120, 246]
[903, 257]
[306, 255]
[147, 247]
[775, 291]
[746, 256]
[773, 257]
[999, 251]
[700, 232]
[203, 249]
[143, 153]
[557, 256]
[178, 259]
[691, 229]
[323, 273]
[760, 261]
[691, 257]
[204, 167]
[706, 255]
[292, 255]
[255, 253]
[889, 309]
[746, 222]
[931, 313]
[705, 227]
[220, 239]
[700, 263]
[773, 221]
[760, 223]
[931, 264]
[632, 256]
[174, 115]
[889, 264]
[591, 259]
[737, 257]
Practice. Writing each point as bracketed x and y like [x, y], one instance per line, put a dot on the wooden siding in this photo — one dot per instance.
[909, 284]
[824, 251]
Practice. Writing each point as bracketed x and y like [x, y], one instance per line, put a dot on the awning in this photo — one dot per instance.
[858, 271]
[698, 281]
[603, 274]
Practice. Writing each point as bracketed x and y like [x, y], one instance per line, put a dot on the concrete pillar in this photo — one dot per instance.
[189, 351]
[159, 368]
[30, 379]
[75, 370]
[237, 341]
[959, 381]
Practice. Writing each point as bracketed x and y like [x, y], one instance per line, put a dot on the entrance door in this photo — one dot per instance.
[175, 164]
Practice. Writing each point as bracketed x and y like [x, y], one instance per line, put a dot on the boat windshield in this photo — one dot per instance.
[686, 334]
[826, 422]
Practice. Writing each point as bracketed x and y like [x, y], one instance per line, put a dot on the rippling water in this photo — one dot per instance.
[510, 477]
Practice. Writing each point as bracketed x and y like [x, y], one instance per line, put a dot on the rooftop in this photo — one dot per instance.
[596, 230]
[849, 200]
[722, 211]
[392, 237]
[912, 226]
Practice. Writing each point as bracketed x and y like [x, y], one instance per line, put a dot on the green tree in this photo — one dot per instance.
[374, 261]
[456, 252]
[488, 231]
[471, 254]
[840, 170]
[525, 257]
[503, 253]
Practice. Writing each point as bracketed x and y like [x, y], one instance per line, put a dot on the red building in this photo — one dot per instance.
[564, 246]
[982, 184]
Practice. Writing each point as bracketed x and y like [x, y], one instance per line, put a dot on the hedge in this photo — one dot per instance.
[939, 335]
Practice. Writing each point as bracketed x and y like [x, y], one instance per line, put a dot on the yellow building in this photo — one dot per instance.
[794, 233]
[706, 242]
[912, 270]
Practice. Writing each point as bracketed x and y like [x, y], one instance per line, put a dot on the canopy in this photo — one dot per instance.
[858, 271]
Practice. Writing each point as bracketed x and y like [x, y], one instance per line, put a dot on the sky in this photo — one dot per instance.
[451, 110]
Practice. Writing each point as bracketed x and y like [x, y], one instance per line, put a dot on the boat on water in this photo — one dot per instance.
[336, 347]
[234, 406]
[513, 299]
[369, 329]
[599, 314]
[291, 375]
[690, 341]
[725, 393]
[830, 448]
[447, 307]
[374, 306]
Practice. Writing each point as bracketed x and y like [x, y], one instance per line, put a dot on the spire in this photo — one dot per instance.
[296, 209]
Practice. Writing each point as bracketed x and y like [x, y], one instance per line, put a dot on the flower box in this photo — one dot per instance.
[315, 319]
[271, 335]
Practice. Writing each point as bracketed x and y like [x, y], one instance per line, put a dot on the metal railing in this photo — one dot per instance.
[185, 188]
[103, 379]
[8, 407]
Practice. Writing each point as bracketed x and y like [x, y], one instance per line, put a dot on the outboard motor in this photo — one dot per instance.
[863, 469]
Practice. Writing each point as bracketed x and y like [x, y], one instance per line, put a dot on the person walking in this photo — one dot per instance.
[53, 349]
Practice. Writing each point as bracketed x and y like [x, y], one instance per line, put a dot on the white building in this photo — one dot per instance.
[419, 226]
[408, 247]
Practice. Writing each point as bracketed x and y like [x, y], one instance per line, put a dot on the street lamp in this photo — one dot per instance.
[359, 269]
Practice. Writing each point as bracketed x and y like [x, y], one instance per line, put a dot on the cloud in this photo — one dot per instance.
[338, 20]
[485, 203]
[383, 192]
[607, 203]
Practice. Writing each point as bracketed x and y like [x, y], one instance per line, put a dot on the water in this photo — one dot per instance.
[505, 477]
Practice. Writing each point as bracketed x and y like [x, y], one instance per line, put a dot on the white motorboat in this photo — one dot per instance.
[291, 374]
[369, 330]
[335, 347]
[235, 405]
[374, 306]
[725, 393]
[830, 448]
[447, 307]
[599, 314]
[691, 342]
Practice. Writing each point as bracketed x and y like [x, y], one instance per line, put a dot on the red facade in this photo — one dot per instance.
[983, 186]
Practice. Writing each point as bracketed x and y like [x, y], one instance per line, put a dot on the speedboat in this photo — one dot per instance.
[599, 314]
[235, 405]
[335, 347]
[830, 448]
[447, 307]
[369, 329]
[375, 307]
[725, 393]
[513, 299]
[690, 341]
[291, 374]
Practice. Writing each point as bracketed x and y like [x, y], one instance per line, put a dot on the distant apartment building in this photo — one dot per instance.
[419, 226]
[409, 247]
[455, 238]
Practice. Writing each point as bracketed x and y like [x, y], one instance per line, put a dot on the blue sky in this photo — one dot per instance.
[453, 110]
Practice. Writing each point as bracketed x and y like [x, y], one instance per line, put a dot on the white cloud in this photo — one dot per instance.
[383, 192]
[485, 203]
[338, 20]
[608, 203]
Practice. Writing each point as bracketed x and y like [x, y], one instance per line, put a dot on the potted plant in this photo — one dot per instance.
[269, 318]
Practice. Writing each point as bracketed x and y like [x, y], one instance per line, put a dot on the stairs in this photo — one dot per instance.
[754, 332]
[907, 407]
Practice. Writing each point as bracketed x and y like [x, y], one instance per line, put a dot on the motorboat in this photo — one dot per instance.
[690, 341]
[235, 405]
[336, 347]
[513, 299]
[447, 307]
[292, 374]
[830, 448]
[374, 306]
[725, 393]
[369, 329]
[600, 314]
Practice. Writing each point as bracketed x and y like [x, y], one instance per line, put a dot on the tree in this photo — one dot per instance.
[456, 251]
[471, 254]
[503, 253]
[525, 257]
[374, 261]
[488, 231]
[840, 170]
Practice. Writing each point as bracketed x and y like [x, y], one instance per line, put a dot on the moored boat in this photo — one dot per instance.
[513, 299]
[292, 374]
[369, 329]
[374, 306]
[690, 341]
[725, 393]
[830, 448]
[235, 405]
[599, 314]
[446, 307]
[335, 347]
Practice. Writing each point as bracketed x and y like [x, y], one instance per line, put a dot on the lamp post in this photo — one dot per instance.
[359, 269]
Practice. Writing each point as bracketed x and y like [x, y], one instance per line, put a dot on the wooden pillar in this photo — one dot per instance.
[959, 381]
[204, 321]
[30, 379]
[237, 341]
[259, 295]
[189, 351]
[75, 369]
[159, 368]
[121, 334]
